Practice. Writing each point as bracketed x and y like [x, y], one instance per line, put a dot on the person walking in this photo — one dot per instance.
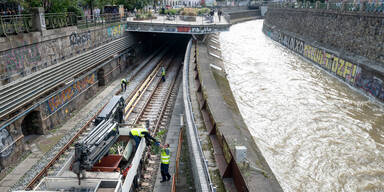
[124, 85]
[219, 13]
[165, 157]
[163, 74]
[212, 14]
[138, 133]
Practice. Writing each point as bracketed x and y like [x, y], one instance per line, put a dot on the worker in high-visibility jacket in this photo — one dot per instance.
[138, 133]
[124, 83]
[163, 74]
[165, 159]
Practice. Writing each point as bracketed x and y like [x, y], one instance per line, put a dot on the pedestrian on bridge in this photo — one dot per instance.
[124, 85]
[219, 13]
[138, 133]
[163, 74]
[165, 157]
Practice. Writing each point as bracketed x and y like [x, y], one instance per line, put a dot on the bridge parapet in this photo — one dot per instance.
[180, 24]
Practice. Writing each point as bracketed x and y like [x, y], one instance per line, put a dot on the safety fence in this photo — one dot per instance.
[14, 24]
[377, 8]
[58, 20]
[176, 174]
[205, 19]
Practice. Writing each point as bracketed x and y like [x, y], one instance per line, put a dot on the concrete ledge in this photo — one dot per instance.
[227, 129]
[199, 168]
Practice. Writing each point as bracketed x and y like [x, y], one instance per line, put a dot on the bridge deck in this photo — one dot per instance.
[164, 24]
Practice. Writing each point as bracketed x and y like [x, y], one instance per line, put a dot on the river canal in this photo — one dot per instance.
[316, 133]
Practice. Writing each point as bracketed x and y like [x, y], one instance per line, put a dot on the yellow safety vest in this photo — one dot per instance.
[138, 132]
[123, 81]
[163, 73]
[164, 156]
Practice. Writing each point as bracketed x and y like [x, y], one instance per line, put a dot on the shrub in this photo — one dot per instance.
[189, 12]
[171, 11]
[203, 11]
[139, 16]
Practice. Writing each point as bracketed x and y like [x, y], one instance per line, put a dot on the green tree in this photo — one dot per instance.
[50, 6]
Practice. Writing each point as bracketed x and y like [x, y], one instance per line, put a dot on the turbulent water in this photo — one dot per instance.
[316, 133]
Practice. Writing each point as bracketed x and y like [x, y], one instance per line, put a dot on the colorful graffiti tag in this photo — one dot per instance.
[116, 31]
[346, 70]
[6, 140]
[338, 66]
[79, 39]
[183, 29]
[57, 101]
[18, 59]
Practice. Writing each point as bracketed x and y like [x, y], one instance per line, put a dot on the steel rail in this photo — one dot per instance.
[9, 121]
[56, 66]
[72, 140]
[68, 66]
[150, 96]
[160, 114]
[132, 173]
[164, 105]
[53, 80]
[53, 76]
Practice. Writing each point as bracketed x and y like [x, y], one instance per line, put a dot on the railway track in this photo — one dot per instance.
[67, 149]
[156, 106]
[160, 124]
[15, 95]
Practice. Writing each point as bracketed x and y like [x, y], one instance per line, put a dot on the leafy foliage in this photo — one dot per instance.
[189, 12]
[203, 11]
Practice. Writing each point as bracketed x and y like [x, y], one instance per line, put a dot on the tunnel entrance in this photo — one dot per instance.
[100, 77]
[31, 124]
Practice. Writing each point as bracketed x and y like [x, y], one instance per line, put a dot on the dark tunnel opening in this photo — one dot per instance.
[31, 125]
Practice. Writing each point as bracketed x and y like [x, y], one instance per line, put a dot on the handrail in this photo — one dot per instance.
[203, 179]
[14, 24]
[377, 8]
[178, 154]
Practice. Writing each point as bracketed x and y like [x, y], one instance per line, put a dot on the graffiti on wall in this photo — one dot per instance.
[116, 31]
[63, 97]
[201, 29]
[338, 66]
[371, 84]
[349, 72]
[6, 141]
[183, 29]
[18, 59]
[79, 39]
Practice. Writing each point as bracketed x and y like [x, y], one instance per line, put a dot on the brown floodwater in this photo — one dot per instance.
[316, 133]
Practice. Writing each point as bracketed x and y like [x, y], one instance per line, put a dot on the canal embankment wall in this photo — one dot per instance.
[349, 45]
[242, 15]
[239, 161]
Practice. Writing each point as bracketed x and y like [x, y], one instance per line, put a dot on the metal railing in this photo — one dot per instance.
[58, 20]
[107, 18]
[200, 161]
[205, 19]
[14, 24]
[178, 154]
[346, 7]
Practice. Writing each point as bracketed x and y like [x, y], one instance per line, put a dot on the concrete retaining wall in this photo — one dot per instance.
[60, 105]
[25, 54]
[354, 34]
[364, 76]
